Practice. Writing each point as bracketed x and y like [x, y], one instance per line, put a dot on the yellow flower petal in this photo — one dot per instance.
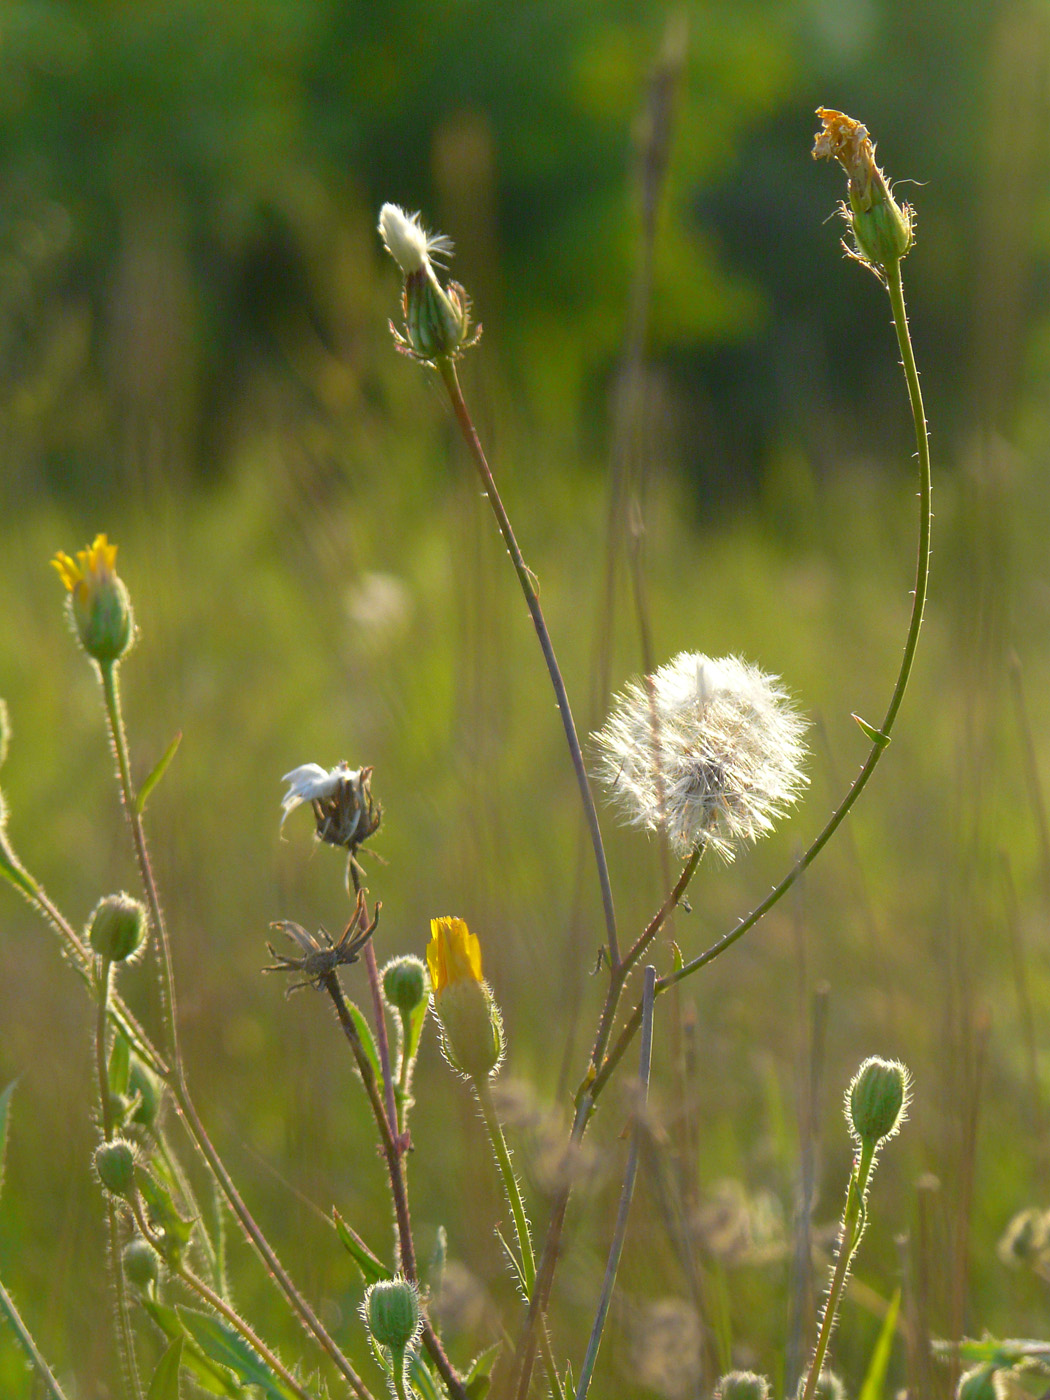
[68, 570]
[453, 954]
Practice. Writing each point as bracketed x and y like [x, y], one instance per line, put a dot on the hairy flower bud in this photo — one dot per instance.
[118, 927]
[437, 319]
[471, 1025]
[140, 1263]
[115, 1165]
[742, 1385]
[391, 1312]
[405, 983]
[877, 1099]
[883, 230]
[99, 602]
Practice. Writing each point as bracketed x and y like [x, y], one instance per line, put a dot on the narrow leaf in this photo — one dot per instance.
[119, 1065]
[875, 1380]
[211, 1378]
[158, 773]
[21, 1331]
[424, 1382]
[515, 1264]
[372, 1268]
[875, 735]
[483, 1363]
[5, 1103]
[220, 1342]
[364, 1030]
[165, 1382]
[414, 1029]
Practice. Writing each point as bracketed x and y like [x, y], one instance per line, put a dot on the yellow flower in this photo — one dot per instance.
[98, 599]
[471, 1025]
[453, 954]
[94, 566]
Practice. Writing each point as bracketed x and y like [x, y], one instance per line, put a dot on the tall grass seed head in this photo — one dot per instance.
[742, 1385]
[877, 1100]
[711, 751]
[345, 812]
[118, 926]
[392, 1314]
[437, 318]
[883, 230]
[98, 600]
[470, 1020]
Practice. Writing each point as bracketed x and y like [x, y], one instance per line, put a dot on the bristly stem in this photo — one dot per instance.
[447, 369]
[510, 1185]
[627, 1191]
[118, 738]
[379, 1011]
[29, 1346]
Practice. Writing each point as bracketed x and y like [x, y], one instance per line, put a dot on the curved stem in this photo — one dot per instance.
[528, 588]
[510, 1184]
[29, 1346]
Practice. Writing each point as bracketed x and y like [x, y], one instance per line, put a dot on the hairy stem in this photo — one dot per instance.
[510, 1185]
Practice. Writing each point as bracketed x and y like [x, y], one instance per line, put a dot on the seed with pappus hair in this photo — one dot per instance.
[877, 1099]
[711, 751]
[742, 1385]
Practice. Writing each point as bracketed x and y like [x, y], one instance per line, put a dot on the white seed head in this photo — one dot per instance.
[408, 242]
[310, 781]
[710, 751]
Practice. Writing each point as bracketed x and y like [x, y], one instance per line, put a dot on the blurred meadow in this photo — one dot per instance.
[693, 406]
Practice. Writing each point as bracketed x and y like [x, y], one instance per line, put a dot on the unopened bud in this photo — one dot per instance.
[405, 984]
[118, 927]
[115, 1165]
[140, 1263]
[742, 1385]
[883, 230]
[391, 1312]
[437, 319]
[877, 1099]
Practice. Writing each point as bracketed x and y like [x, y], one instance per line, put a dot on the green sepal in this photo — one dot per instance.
[5, 1104]
[875, 1381]
[221, 1343]
[421, 1378]
[211, 1378]
[414, 1029]
[875, 735]
[119, 1066]
[158, 772]
[479, 1374]
[165, 1382]
[373, 1270]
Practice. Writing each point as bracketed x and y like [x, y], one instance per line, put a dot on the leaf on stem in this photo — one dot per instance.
[215, 1380]
[222, 1344]
[165, 1382]
[157, 773]
[875, 1381]
[373, 1270]
[5, 1103]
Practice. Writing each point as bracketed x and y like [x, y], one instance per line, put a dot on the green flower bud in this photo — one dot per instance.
[405, 983]
[391, 1312]
[118, 927]
[101, 608]
[115, 1165]
[877, 1099]
[742, 1385]
[978, 1384]
[140, 1263]
[471, 1024]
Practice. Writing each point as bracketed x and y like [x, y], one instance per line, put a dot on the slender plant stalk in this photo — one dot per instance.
[510, 1185]
[447, 369]
[382, 1040]
[395, 1170]
[105, 978]
[29, 1346]
[627, 1191]
[850, 1231]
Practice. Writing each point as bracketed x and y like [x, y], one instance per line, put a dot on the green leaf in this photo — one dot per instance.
[875, 735]
[222, 1344]
[158, 773]
[162, 1212]
[211, 1378]
[515, 1263]
[479, 1377]
[372, 1267]
[165, 1382]
[5, 1102]
[436, 1266]
[119, 1065]
[421, 1378]
[364, 1030]
[875, 1380]
[414, 1028]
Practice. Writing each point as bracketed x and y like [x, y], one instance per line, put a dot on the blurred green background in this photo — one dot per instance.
[194, 357]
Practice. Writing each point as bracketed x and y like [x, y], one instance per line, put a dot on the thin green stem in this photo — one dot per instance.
[626, 1193]
[29, 1346]
[125, 1337]
[447, 369]
[105, 978]
[119, 740]
[510, 1185]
